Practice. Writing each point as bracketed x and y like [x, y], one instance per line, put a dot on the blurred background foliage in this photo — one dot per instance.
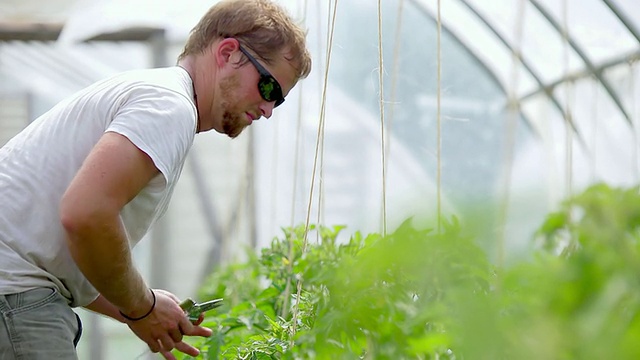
[420, 294]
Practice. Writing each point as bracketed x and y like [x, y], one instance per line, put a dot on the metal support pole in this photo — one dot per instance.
[159, 263]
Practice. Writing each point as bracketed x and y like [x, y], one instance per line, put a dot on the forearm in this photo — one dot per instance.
[112, 175]
[103, 306]
[101, 250]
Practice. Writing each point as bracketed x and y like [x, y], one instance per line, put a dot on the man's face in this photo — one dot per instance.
[241, 100]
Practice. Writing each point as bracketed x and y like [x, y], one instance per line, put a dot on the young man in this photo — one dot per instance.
[85, 181]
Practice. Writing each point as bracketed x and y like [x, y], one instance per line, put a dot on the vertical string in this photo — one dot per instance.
[382, 124]
[274, 175]
[394, 78]
[296, 157]
[512, 127]
[594, 129]
[321, 137]
[315, 165]
[567, 113]
[568, 117]
[320, 182]
[298, 135]
[439, 119]
[287, 292]
[635, 157]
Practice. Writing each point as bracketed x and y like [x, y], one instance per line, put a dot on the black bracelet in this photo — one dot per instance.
[145, 315]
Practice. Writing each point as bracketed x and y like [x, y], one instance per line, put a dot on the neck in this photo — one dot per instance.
[189, 66]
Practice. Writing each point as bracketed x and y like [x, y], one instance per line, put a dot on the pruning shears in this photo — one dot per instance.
[193, 309]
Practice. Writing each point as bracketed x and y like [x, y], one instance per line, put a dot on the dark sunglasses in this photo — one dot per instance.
[268, 86]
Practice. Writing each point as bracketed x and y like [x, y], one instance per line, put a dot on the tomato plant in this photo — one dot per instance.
[419, 294]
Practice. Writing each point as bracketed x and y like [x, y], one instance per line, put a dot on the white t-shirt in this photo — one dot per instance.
[153, 108]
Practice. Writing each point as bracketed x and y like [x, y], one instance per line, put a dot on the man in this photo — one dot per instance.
[84, 182]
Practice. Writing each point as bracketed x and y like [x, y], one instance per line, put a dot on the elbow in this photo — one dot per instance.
[71, 217]
[86, 215]
[74, 226]
[67, 219]
[81, 219]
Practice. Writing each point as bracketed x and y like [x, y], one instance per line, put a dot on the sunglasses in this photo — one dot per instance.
[268, 86]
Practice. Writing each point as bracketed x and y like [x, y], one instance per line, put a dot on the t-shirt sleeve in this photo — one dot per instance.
[160, 122]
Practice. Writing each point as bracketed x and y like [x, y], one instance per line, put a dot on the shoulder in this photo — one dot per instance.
[162, 86]
[155, 99]
[166, 82]
[160, 93]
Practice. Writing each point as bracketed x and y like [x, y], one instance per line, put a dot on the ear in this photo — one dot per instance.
[226, 51]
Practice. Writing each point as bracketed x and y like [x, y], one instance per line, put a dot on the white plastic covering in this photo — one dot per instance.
[570, 66]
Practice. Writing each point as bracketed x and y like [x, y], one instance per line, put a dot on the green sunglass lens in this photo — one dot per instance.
[270, 89]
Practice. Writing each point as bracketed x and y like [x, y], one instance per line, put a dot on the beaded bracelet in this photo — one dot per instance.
[145, 315]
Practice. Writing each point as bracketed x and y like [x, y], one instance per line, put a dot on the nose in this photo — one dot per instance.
[266, 108]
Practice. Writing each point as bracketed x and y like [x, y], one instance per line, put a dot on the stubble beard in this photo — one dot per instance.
[233, 122]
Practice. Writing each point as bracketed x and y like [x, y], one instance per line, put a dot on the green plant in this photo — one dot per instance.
[368, 296]
[419, 294]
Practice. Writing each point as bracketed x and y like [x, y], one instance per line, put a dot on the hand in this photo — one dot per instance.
[165, 326]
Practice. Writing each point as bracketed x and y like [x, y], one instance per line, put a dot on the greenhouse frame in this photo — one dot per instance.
[494, 112]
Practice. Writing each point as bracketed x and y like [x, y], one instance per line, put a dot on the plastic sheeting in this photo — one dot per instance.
[537, 100]
[568, 68]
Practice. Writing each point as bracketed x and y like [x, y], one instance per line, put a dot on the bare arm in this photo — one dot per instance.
[114, 173]
[103, 306]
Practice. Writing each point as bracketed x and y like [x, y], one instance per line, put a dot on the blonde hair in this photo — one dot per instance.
[259, 25]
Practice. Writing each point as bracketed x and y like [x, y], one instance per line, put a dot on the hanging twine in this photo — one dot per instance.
[284, 311]
[634, 121]
[315, 165]
[568, 95]
[394, 83]
[382, 125]
[511, 130]
[439, 118]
